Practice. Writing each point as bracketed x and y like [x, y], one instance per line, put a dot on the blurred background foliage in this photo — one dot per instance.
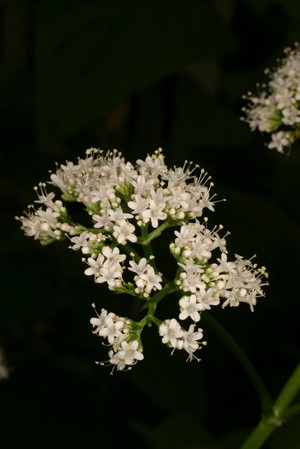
[138, 75]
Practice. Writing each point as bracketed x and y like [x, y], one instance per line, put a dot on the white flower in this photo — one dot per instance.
[139, 268]
[191, 278]
[189, 307]
[94, 266]
[280, 140]
[112, 328]
[142, 185]
[190, 341]
[103, 220]
[113, 255]
[154, 213]
[123, 232]
[128, 354]
[224, 265]
[138, 205]
[111, 273]
[31, 225]
[43, 196]
[171, 332]
[99, 322]
[85, 241]
[41, 224]
[152, 280]
[153, 165]
[186, 233]
[207, 298]
[118, 215]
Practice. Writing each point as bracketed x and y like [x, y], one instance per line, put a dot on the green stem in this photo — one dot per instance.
[259, 435]
[265, 399]
[155, 233]
[146, 243]
[129, 250]
[280, 413]
[288, 393]
[151, 303]
[292, 411]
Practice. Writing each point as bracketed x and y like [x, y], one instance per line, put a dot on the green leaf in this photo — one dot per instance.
[91, 55]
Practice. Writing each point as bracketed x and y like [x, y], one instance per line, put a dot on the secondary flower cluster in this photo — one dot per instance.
[128, 207]
[275, 109]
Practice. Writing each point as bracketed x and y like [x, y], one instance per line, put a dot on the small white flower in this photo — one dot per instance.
[190, 341]
[117, 215]
[189, 307]
[111, 273]
[112, 328]
[94, 266]
[280, 140]
[99, 322]
[142, 185]
[154, 213]
[138, 205]
[139, 268]
[207, 299]
[83, 241]
[171, 332]
[128, 354]
[123, 232]
[152, 280]
[102, 221]
[113, 255]
[43, 196]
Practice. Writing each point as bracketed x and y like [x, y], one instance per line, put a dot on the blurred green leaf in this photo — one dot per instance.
[90, 55]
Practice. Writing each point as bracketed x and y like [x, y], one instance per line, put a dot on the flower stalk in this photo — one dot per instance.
[280, 413]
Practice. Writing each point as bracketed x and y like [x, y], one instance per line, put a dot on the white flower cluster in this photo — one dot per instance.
[275, 110]
[116, 329]
[128, 207]
[178, 338]
[206, 283]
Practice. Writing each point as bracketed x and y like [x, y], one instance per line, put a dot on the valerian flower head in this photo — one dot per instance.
[275, 110]
[128, 206]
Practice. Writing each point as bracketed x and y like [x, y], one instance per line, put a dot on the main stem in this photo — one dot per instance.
[280, 413]
[273, 415]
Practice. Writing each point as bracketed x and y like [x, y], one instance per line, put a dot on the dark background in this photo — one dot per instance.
[138, 75]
